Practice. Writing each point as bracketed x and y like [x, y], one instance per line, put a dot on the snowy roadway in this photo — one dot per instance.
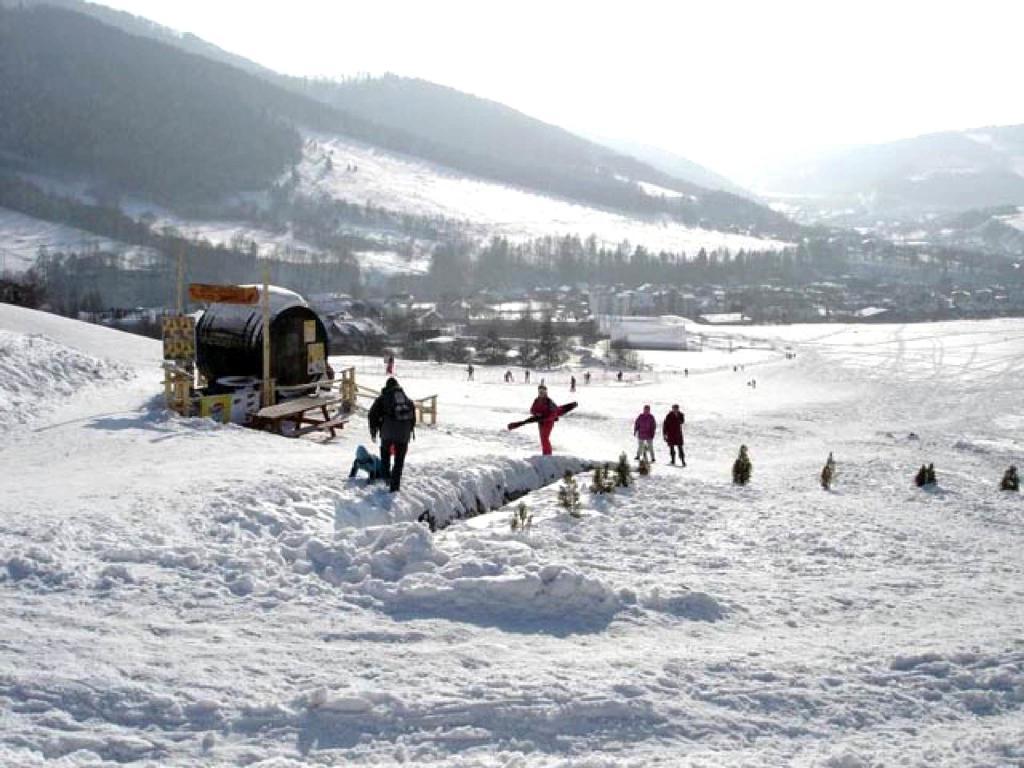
[178, 593]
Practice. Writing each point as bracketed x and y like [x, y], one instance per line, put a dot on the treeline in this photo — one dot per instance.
[96, 281]
[460, 268]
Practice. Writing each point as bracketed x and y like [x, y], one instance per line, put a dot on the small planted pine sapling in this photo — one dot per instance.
[623, 472]
[742, 467]
[1010, 481]
[828, 472]
[925, 476]
[522, 518]
[569, 495]
[602, 481]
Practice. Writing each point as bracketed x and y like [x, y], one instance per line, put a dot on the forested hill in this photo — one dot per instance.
[146, 118]
[488, 139]
[141, 113]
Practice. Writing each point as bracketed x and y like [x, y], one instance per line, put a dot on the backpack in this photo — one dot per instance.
[402, 408]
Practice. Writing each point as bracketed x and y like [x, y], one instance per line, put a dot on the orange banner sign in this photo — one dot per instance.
[224, 294]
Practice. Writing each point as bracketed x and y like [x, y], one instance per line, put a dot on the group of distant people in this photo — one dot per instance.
[645, 427]
[393, 417]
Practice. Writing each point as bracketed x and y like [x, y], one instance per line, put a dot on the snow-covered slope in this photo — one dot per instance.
[23, 237]
[179, 593]
[363, 174]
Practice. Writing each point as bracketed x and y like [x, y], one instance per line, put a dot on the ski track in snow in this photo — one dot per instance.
[175, 592]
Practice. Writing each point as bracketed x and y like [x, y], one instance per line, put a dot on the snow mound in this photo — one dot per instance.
[402, 568]
[698, 606]
[34, 368]
[37, 567]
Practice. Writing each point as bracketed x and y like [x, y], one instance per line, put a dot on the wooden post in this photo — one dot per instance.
[181, 279]
[348, 389]
[268, 385]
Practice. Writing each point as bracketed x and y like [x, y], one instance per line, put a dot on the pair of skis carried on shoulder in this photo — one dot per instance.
[562, 410]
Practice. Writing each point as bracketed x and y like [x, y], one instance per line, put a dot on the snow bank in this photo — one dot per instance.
[458, 492]
[402, 568]
[34, 369]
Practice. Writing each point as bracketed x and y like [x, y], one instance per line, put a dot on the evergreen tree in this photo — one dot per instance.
[1010, 481]
[623, 472]
[603, 481]
[742, 467]
[522, 518]
[569, 494]
[549, 346]
[921, 478]
[526, 330]
[828, 472]
[925, 476]
[492, 348]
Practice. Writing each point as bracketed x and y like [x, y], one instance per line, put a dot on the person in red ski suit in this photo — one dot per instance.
[672, 431]
[645, 428]
[547, 413]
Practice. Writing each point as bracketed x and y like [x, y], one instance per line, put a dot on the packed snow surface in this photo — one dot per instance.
[176, 592]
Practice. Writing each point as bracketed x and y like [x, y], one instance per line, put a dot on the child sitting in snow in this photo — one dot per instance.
[369, 463]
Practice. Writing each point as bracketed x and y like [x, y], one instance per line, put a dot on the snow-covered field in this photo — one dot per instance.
[174, 592]
[363, 174]
[22, 237]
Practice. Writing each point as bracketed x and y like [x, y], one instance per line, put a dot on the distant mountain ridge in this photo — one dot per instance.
[676, 165]
[948, 171]
[174, 118]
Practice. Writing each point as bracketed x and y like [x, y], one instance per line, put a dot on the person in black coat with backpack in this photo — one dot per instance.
[393, 415]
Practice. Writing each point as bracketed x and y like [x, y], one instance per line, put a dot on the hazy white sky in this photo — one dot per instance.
[733, 84]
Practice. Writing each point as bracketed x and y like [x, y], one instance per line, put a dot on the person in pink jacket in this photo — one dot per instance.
[645, 427]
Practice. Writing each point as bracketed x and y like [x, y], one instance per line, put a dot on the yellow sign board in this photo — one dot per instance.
[179, 332]
[216, 407]
[316, 360]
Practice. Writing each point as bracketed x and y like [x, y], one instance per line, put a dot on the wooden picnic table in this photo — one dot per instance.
[301, 412]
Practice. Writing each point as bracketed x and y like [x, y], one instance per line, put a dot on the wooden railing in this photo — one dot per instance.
[351, 391]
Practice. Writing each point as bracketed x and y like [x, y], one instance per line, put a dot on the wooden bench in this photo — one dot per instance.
[302, 411]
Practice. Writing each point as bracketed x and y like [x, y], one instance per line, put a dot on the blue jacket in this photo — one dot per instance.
[367, 462]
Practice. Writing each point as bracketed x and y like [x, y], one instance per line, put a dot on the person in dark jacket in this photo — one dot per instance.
[393, 415]
[547, 413]
[672, 431]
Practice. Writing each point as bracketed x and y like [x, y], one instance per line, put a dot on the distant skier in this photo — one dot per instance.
[526, 377]
[547, 413]
[619, 376]
[572, 383]
[586, 377]
[469, 372]
[389, 369]
[393, 414]
[672, 431]
[644, 428]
